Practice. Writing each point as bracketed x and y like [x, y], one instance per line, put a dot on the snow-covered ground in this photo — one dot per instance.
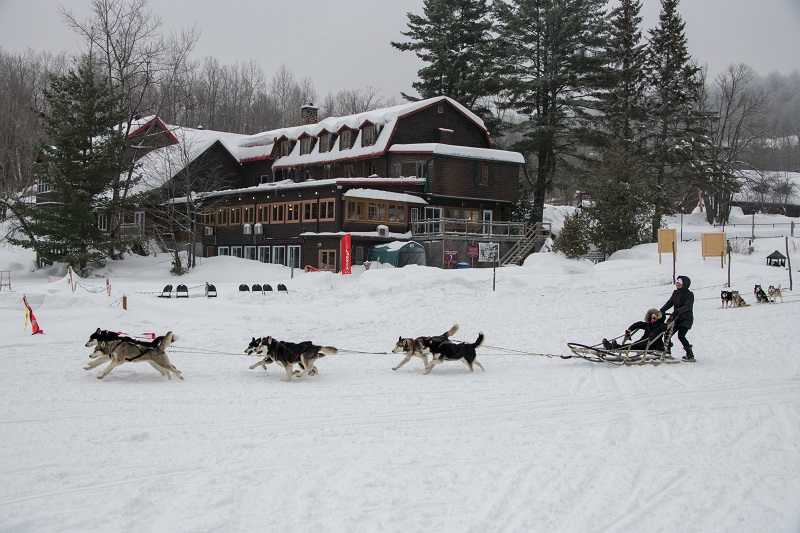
[535, 443]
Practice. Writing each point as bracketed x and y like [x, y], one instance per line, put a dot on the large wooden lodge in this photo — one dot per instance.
[423, 171]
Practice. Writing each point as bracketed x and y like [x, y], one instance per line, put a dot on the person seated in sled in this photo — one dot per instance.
[653, 327]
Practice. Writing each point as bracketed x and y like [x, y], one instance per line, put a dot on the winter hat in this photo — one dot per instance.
[652, 313]
[684, 281]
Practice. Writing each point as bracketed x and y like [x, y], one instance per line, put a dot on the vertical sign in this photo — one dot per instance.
[347, 258]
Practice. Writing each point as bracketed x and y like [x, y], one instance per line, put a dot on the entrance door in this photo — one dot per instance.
[433, 220]
[487, 221]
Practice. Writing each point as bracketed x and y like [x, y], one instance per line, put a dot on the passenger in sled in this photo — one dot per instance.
[653, 327]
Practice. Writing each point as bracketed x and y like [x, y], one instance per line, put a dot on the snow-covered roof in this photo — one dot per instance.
[751, 178]
[286, 185]
[487, 154]
[375, 194]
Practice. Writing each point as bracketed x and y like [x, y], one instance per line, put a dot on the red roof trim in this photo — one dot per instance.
[160, 124]
[256, 158]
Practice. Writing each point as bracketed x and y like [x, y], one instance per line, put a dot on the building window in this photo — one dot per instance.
[222, 217]
[250, 252]
[236, 251]
[236, 216]
[306, 144]
[292, 212]
[249, 215]
[368, 168]
[376, 212]
[345, 140]
[138, 219]
[102, 222]
[414, 214]
[276, 213]
[293, 256]
[285, 148]
[368, 135]
[348, 170]
[310, 211]
[355, 210]
[42, 186]
[327, 260]
[396, 214]
[422, 169]
[483, 175]
[324, 143]
[397, 170]
[327, 210]
[262, 214]
[223, 250]
[278, 255]
[326, 172]
[263, 254]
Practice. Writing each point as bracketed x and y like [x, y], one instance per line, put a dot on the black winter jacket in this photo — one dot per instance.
[652, 333]
[683, 301]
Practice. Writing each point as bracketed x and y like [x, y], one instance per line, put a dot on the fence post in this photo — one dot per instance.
[789, 262]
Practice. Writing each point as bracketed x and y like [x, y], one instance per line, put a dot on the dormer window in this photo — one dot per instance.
[306, 144]
[346, 140]
[284, 148]
[324, 142]
[368, 135]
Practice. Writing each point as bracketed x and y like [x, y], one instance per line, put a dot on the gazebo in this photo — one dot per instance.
[776, 259]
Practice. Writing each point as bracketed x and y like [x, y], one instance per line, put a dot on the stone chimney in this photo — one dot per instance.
[308, 114]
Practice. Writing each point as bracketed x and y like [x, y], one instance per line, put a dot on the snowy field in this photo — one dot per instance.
[534, 443]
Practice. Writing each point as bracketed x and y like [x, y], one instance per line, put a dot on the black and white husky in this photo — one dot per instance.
[761, 296]
[119, 349]
[414, 348]
[257, 348]
[287, 354]
[448, 350]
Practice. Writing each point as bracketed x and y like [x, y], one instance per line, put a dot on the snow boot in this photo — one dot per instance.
[606, 344]
[689, 354]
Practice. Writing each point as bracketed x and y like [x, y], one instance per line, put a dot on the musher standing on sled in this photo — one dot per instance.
[682, 300]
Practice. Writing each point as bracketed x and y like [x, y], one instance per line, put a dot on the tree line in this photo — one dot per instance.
[600, 105]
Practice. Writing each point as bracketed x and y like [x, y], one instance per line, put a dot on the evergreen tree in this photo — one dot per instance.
[623, 100]
[550, 54]
[79, 156]
[675, 125]
[573, 239]
[453, 38]
[621, 205]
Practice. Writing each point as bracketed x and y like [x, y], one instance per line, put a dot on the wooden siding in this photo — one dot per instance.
[456, 177]
[424, 126]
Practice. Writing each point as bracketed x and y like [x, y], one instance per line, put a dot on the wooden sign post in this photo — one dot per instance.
[667, 243]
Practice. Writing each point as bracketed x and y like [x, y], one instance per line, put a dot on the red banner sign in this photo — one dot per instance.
[347, 255]
[450, 257]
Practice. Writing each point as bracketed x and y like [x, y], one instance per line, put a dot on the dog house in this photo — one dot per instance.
[398, 253]
[776, 259]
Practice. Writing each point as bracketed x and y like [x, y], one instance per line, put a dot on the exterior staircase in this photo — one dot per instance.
[531, 241]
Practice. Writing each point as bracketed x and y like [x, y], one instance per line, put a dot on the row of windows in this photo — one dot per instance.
[282, 213]
[279, 255]
[347, 139]
[378, 211]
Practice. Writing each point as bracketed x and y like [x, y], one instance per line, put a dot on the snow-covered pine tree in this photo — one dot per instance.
[623, 97]
[551, 58]
[78, 157]
[453, 39]
[675, 128]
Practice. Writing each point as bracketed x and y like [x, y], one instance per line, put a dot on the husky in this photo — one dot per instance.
[256, 347]
[119, 349]
[775, 293]
[286, 354]
[448, 350]
[726, 297]
[414, 348]
[761, 296]
[737, 300]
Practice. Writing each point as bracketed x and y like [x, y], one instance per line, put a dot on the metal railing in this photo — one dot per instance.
[454, 227]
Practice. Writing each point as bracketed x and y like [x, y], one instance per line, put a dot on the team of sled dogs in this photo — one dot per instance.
[734, 299]
[118, 349]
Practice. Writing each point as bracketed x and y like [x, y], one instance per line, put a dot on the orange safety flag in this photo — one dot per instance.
[29, 312]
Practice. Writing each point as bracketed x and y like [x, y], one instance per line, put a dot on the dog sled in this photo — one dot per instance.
[626, 353]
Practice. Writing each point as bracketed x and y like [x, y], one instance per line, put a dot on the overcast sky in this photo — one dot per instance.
[345, 44]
